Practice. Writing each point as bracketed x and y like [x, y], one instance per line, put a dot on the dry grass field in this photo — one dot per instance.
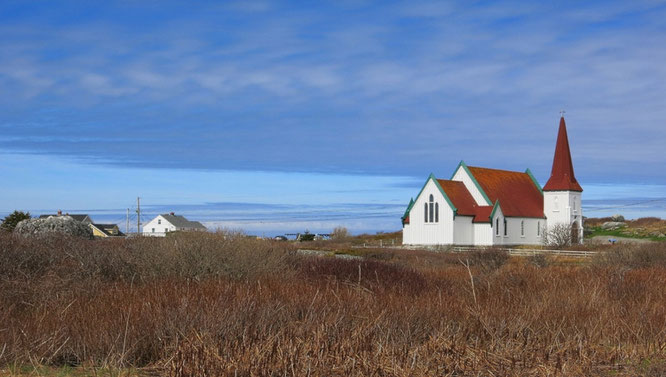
[224, 305]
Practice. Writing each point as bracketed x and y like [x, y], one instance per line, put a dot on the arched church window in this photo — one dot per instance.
[425, 212]
[538, 228]
[505, 231]
[436, 212]
[497, 226]
[432, 209]
[522, 227]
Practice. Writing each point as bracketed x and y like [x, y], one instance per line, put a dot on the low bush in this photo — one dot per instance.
[646, 255]
[489, 259]
[538, 260]
[366, 273]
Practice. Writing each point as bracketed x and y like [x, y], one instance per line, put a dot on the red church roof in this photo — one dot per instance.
[459, 196]
[517, 193]
[483, 214]
[464, 202]
[562, 176]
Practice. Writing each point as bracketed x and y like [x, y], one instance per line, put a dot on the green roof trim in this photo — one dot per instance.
[409, 208]
[476, 183]
[492, 213]
[536, 183]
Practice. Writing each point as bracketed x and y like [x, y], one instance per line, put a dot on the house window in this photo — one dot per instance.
[538, 228]
[505, 231]
[425, 211]
[159, 221]
[522, 228]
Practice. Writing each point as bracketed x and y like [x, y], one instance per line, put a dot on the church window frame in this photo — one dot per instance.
[497, 226]
[506, 231]
[436, 212]
[425, 212]
[431, 211]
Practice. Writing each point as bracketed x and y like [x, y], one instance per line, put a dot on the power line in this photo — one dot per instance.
[625, 205]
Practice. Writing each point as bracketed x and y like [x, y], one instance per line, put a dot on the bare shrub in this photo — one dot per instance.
[489, 259]
[340, 233]
[368, 273]
[646, 221]
[645, 255]
[538, 260]
[558, 236]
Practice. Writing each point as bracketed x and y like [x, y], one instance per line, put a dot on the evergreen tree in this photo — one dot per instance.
[10, 222]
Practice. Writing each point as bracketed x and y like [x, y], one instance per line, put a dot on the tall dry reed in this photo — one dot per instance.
[222, 305]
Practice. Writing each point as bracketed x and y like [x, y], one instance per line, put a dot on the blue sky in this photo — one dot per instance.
[318, 103]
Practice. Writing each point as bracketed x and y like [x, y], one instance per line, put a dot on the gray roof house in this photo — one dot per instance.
[81, 217]
[165, 223]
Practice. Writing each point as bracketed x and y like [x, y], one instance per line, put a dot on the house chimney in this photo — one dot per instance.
[59, 213]
[173, 214]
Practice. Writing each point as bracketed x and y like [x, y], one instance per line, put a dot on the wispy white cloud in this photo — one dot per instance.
[372, 88]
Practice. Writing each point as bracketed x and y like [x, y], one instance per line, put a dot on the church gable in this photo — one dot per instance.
[462, 174]
[422, 198]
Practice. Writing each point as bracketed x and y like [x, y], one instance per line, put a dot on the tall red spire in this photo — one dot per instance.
[562, 176]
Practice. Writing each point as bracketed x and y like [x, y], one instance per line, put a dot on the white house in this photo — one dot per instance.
[163, 224]
[481, 206]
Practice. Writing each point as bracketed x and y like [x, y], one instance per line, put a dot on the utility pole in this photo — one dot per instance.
[138, 215]
[127, 224]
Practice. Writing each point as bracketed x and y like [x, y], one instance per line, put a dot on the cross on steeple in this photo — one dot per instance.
[562, 113]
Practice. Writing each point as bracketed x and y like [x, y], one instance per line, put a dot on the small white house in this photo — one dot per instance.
[163, 224]
[481, 206]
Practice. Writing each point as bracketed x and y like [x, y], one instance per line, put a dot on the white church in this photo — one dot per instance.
[484, 207]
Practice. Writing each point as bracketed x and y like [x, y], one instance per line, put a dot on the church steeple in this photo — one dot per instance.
[562, 176]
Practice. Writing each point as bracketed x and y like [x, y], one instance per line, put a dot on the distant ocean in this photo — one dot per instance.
[277, 219]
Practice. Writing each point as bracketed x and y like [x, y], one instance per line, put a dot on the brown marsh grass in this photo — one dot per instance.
[224, 305]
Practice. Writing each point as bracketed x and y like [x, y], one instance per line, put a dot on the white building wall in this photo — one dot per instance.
[418, 232]
[563, 207]
[158, 227]
[483, 234]
[463, 230]
[498, 227]
[529, 235]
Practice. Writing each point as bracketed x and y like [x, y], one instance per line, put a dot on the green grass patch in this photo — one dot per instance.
[623, 232]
